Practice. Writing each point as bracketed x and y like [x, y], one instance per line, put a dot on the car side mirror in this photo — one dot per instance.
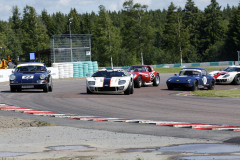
[49, 71]
[175, 74]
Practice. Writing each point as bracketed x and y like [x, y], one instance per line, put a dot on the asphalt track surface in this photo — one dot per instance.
[148, 103]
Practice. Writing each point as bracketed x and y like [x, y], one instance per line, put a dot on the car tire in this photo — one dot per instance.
[170, 87]
[236, 79]
[138, 82]
[50, 88]
[12, 89]
[132, 88]
[128, 90]
[195, 86]
[46, 88]
[211, 85]
[88, 91]
[156, 80]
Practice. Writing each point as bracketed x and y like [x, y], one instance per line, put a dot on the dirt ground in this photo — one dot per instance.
[10, 122]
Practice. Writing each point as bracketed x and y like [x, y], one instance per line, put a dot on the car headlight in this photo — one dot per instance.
[12, 77]
[188, 80]
[226, 75]
[91, 82]
[169, 80]
[134, 75]
[42, 76]
[121, 82]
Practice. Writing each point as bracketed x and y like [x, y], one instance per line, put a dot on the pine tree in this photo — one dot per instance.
[106, 42]
[136, 32]
[233, 35]
[35, 33]
[191, 16]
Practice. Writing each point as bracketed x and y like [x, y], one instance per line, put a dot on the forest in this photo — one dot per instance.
[133, 35]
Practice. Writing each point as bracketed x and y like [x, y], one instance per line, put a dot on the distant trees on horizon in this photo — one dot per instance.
[157, 36]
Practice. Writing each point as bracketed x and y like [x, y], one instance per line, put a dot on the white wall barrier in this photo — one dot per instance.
[54, 72]
[4, 74]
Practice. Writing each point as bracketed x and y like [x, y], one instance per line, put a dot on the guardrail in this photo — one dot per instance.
[227, 63]
[5, 73]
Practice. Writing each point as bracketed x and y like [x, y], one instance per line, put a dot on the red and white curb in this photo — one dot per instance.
[198, 126]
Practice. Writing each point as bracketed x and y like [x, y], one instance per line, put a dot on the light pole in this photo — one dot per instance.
[70, 21]
[238, 57]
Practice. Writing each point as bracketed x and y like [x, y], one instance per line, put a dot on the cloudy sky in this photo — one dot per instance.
[82, 6]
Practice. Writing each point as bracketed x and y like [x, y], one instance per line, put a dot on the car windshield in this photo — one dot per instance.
[189, 73]
[109, 74]
[232, 69]
[137, 69]
[31, 68]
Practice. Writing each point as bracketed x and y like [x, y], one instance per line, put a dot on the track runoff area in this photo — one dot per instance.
[197, 126]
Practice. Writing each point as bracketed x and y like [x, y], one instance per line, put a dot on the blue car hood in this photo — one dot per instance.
[181, 78]
[32, 77]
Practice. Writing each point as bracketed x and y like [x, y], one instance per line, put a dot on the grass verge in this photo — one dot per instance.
[40, 123]
[177, 69]
[218, 93]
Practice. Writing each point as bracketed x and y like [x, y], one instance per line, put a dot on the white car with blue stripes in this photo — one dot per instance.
[110, 81]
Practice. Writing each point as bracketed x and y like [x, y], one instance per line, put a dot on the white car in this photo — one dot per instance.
[229, 75]
[110, 81]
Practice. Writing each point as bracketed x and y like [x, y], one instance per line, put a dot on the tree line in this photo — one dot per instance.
[133, 35]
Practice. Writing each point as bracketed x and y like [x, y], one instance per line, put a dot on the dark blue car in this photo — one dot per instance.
[31, 76]
[192, 79]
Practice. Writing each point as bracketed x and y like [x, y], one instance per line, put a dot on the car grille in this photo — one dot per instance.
[107, 89]
[221, 80]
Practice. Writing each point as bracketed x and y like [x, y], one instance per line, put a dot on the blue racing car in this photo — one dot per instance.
[191, 78]
[31, 76]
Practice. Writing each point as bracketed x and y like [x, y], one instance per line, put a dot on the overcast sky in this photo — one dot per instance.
[82, 6]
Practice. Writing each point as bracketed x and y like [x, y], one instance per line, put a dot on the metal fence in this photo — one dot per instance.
[70, 47]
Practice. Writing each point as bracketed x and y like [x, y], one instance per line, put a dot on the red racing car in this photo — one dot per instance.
[144, 75]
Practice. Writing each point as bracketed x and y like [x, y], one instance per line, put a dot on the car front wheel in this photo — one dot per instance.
[195, 86]
[128, 90]
[138, 82]
[12, 89]
[211, 85]
[236, 79]
[88, 91]
[46, 88]
[156, 80]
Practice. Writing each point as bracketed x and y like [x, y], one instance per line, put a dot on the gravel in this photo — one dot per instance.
[23, 140]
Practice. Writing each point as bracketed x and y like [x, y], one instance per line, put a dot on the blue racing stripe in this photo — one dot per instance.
[107, 82]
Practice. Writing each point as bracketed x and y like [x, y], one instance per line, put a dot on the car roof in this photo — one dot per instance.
[141, 65]
[30, 64]
[194, 68]
[112, 70]
[238, 66]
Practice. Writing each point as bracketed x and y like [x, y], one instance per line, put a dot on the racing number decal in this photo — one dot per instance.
[152, 76]
[204, 80]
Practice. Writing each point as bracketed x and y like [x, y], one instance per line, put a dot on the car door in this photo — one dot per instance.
[146, 77]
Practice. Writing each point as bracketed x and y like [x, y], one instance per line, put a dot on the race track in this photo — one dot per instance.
[147, 103]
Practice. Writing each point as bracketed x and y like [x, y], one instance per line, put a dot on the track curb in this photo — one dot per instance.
[197, 126]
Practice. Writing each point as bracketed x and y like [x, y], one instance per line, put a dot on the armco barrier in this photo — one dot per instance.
[227, 63]
[195, 64]
[55, 72]
[5, 73]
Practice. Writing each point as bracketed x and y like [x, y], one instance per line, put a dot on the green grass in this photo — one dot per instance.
[218, 93]
[40, 123]
[177, 69]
